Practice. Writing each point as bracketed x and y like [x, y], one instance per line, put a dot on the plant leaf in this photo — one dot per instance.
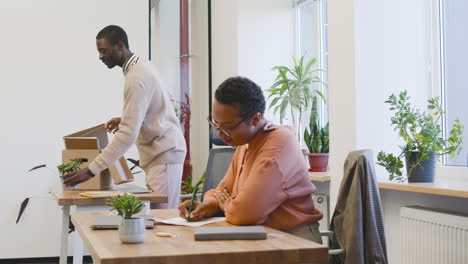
[23, 206]
[37, 167]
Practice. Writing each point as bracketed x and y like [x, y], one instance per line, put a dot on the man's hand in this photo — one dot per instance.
[112, 125]
[77, 177]
[222, 197]
[199, 210]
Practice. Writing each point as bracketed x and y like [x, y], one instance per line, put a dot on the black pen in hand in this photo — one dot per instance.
[191, 203]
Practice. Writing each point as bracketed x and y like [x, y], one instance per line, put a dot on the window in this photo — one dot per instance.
[453, 70]
[311, 38]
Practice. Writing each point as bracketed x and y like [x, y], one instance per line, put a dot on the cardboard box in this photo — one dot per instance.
[87, 144]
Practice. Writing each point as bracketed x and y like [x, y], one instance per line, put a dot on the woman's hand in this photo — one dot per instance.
[222, 197]
[199, 210]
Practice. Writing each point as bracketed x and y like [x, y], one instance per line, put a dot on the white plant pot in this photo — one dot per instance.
[132, 230]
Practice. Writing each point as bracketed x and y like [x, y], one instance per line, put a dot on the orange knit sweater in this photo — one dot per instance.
[269, 183]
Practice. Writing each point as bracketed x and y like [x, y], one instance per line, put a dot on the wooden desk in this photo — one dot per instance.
[72, 198]
[106, 248]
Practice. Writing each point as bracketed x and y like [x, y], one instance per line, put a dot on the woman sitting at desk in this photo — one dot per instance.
[267, 182]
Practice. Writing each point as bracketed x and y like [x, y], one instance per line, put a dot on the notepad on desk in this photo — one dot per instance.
[101, 194]
[183, 222]
[230, 233]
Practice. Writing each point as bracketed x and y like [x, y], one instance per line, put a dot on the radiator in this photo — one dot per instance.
[429, 236]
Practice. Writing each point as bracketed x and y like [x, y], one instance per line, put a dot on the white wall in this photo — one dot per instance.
[265, 39]
[249, 38]
[392, 54]
[223, 40]
[166, 48]
[199, 89]
[394, 51]
[52, 84]
[341, 89]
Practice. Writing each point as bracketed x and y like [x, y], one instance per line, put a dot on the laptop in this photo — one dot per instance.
[130, 188]
[105, 222]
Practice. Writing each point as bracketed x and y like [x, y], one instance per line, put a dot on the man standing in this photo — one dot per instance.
[148, 120]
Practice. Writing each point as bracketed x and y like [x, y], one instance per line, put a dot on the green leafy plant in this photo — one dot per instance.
[421, 132]
[188, 187]
[316, 136]
[293, 89]
[71, 166]
[126, 205]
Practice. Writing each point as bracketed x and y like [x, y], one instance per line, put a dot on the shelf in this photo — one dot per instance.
[444, 187]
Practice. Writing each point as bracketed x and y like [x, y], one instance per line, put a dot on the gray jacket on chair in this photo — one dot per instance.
[358, 219]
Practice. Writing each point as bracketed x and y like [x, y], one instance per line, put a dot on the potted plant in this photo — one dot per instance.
[69, 167]
[316, 138]
[132, 229]
[422, 134]
[188, 188]
[293, 89]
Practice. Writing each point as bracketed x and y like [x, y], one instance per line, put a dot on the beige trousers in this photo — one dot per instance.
[309, 231]
[165, 179]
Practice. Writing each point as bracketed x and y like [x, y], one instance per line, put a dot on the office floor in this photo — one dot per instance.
[86, 260]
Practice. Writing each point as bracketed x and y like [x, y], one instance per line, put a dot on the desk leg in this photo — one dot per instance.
[78, 249]
[64, 238]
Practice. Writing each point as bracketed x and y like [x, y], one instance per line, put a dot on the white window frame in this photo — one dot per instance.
[442, 171]
[322, 53]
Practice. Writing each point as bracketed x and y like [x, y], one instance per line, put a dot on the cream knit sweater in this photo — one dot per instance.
[148, 120]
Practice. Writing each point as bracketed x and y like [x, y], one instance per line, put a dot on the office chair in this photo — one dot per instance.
[357, 225]
[219, 160]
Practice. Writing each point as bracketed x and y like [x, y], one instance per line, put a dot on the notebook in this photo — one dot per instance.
[100, 194]
[104, 222]
[230, 233]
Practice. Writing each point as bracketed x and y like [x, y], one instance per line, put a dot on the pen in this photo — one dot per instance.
[191, 203]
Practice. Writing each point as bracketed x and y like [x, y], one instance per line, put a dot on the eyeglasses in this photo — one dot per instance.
[225, 131]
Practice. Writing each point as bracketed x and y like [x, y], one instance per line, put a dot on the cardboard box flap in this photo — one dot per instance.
[91, 138]
[120, 171]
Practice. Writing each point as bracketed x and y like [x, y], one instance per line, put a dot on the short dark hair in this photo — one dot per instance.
[113, 34]
[242, 93]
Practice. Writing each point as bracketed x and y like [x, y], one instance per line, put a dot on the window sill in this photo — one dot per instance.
[320, 176]
[444, 187]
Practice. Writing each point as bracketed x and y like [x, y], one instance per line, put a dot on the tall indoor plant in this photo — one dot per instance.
[316, 138]
[293, 90]
[132, 229]
[65, 168]
[423, 137]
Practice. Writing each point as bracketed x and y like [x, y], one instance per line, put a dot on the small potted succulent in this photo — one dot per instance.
[132, 229]
[316, 137]
[423, 139]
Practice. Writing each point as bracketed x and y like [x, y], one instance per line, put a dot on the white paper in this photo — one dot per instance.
[183, 222]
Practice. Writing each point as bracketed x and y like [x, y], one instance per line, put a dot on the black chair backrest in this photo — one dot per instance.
[219, 160]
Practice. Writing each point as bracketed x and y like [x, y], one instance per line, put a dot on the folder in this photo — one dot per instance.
[101, 194]
[230, 233]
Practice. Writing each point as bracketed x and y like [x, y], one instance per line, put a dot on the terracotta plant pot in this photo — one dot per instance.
[318, 162]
